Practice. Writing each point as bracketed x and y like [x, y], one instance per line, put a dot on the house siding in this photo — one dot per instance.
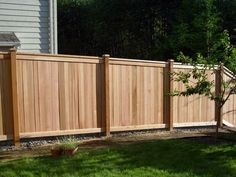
[30, 20]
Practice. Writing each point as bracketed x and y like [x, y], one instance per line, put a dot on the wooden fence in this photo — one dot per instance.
[47, 95]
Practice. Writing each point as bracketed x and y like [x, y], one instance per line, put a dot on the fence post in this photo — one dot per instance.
[15, 120]
[170, 98]
[220, 109]
[106, 110]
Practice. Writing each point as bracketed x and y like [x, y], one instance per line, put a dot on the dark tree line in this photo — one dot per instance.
[146, 29]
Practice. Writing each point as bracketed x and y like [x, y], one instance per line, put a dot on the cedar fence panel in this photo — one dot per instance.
[136, 94]
[65, 94]
[58, 94]
[195, 109]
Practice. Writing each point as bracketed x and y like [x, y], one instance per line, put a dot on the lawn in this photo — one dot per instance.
[162, 158]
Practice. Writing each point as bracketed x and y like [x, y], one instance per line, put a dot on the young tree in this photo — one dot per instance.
[198, 82]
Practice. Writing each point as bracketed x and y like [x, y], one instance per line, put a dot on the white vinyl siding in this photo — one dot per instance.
[30, 20]
[26, 2]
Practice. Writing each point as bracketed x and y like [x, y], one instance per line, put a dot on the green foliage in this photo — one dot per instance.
[69, 145]
[122, 28]
[223, 51]
[227, 11]
[64, 146]
[195, 28]
[195, 82]
[68, 142]
[153, 29]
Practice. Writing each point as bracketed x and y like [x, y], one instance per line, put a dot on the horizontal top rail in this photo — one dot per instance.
[59, 58]
[96, 59]
[58, 55]
[178, 65]
[228, 72]
[135, 62]
[182, 66]
[4, 55]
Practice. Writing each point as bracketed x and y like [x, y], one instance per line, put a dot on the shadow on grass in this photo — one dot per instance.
[228, 136]
[157, 158]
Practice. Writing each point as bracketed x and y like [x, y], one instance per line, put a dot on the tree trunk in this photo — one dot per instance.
[219, 120]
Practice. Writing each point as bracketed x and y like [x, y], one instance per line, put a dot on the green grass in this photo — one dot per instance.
[162, 158]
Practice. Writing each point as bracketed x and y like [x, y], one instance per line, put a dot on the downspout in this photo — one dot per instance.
[53, 26]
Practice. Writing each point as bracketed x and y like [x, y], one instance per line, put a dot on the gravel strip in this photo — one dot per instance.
[28, 144]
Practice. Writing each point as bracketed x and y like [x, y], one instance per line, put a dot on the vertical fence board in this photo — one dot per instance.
[20, 96]
[170, 98]
[28, 96]
[64, 96]
[36, 96]
[133, 96]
